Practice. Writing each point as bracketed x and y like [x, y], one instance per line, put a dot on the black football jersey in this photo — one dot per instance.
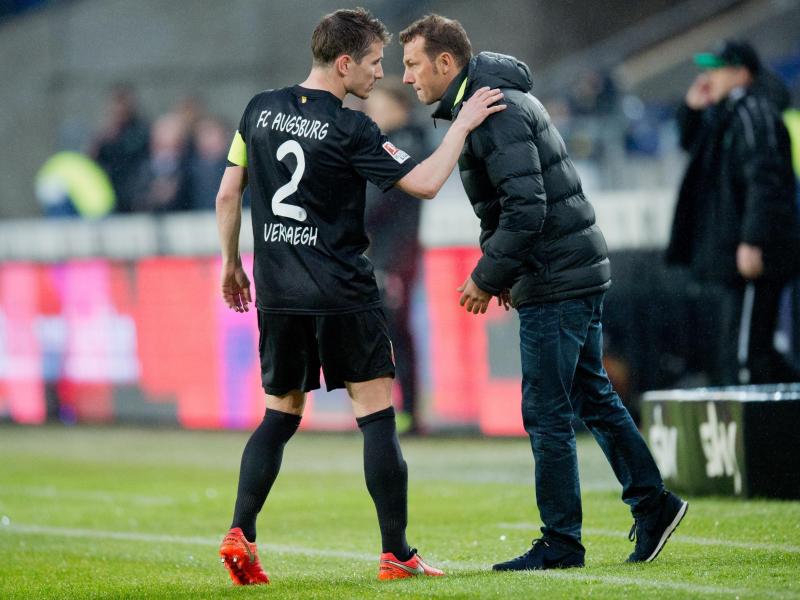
[308, 160]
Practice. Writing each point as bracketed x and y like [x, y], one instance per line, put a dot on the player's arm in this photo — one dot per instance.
[427, 178]
[235, 284]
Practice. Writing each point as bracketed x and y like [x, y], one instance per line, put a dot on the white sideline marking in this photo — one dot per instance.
[571, 574]
[97, 495]
[132, 536]
[676, 537]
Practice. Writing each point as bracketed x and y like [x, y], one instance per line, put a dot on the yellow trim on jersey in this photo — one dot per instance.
[238, 152]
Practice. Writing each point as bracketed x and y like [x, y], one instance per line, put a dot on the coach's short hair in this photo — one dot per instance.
[346, 32]
[441, 35]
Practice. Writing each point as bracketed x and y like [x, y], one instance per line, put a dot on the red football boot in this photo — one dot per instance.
[392, 568]
[240, 557]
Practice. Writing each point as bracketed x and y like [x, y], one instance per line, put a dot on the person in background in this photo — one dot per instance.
[162, 178]
[122, 147]
[207, 163]
[192, 110]
[70, 184]
[735, 224]
[392, 223]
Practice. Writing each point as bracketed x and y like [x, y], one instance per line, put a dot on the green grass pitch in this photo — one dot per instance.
[139, 513]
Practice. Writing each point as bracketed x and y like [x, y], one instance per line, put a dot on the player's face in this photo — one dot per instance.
[361, 76]
[420, 72]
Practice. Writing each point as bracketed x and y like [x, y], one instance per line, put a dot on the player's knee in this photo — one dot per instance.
[372, 396]
[292, 402]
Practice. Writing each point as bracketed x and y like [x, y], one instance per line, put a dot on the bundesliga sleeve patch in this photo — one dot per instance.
[395, 152]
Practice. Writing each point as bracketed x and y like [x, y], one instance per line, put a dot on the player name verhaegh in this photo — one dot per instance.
[304, 235]
[293, 125]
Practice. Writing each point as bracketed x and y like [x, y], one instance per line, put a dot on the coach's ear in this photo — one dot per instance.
[446, 62]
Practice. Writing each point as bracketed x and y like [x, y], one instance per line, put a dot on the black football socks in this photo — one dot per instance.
[261, 461]
[387, 479]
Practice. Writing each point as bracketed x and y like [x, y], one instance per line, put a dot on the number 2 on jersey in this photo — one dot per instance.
[278, 207]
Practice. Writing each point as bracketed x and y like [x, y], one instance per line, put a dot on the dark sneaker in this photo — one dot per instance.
[545, 554]
[652, 530]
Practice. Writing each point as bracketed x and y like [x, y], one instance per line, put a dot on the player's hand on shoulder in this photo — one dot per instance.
[480, 105]
[236, 287]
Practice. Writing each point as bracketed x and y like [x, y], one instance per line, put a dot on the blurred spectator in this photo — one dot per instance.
[392, 223]
[191, 110]
[121, 148]
[594, 93]
[162, 178]
[735, 223]
[790, 306]
[560, 112]
[792, 119]
[207, 162]
[70, 184]
[641, 132]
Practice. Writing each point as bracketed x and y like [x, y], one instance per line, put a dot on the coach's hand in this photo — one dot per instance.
[504, 299]
[235, 287]
[474, 298]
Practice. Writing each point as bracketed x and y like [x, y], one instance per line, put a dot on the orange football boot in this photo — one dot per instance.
[392, 568]
[240, 557]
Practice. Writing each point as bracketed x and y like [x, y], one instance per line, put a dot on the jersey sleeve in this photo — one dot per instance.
[237, 155]
[375, 158]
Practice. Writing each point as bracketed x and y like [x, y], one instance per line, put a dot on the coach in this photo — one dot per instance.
[540, 241]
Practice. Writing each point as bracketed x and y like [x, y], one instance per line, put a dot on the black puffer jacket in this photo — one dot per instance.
[739, 187]
[538, 231]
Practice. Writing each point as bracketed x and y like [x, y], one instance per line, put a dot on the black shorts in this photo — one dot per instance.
[352, 347]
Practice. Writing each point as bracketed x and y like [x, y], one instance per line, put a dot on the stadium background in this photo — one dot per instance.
[127, 390]
[118, 320]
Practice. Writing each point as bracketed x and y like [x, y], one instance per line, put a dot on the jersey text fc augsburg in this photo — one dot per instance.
[307, 160]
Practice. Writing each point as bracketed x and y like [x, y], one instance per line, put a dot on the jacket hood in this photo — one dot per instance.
[498, 71]
[484, 69]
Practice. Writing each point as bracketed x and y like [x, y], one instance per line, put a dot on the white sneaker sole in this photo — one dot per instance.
[668, 531]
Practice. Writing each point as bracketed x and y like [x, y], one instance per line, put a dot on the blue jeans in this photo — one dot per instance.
[563, 377]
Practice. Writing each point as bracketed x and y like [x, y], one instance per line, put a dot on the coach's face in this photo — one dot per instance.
[361, 76]
[429, 79]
